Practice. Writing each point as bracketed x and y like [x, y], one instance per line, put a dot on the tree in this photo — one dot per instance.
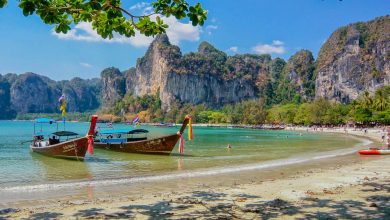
[282, 114]
[362, 115]
[109, 17]
[336, 114]
[380, 102]
[319, 110]
[366, 101]
[302, 115]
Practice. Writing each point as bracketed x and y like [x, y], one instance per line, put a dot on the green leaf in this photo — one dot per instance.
[27, 6]
[3, 3]
[62, 28]
[107, 17]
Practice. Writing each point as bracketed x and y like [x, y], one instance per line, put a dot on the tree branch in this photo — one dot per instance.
[131, 15]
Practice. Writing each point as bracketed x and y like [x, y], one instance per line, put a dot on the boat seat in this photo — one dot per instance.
[136, 139]
[53, 141]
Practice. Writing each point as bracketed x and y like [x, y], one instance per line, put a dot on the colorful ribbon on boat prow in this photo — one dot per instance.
[190, 134]
[181, 143]
[91, 132]
[62, 101]
[90, 146]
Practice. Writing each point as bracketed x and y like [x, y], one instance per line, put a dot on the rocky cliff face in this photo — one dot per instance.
[113, 87]
[33, 93]
[5, 99]
[354, 59]
[208, 76]
[82, 94]
[298, 76]
[152, 69]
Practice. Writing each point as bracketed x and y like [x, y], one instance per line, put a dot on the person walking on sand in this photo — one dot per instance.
[388, 138]
[383, 134]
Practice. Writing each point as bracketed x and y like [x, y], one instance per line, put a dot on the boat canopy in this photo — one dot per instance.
[65, 133]
[45, 120]
[124, 131]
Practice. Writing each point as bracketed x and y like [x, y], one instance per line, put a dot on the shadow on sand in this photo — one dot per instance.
[214, 205]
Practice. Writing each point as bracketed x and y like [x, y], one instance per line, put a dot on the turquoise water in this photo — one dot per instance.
[207, 152]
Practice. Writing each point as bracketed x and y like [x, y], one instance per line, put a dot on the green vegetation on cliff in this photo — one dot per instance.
[365, 110]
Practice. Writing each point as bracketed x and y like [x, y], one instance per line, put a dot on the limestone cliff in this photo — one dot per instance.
[209, 76]
[5, 100]
[355, 58]
[33, 93]
[152, 69]
[298, 76]
[113, 87]
[82, 94]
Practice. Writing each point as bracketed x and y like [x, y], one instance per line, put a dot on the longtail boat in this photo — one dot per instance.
[133, 141]
[63, 144]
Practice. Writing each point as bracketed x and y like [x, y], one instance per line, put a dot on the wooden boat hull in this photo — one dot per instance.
[72, 149]
[161, 145]
[375, 151]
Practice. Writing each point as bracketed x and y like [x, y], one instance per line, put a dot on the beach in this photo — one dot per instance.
[348, 186]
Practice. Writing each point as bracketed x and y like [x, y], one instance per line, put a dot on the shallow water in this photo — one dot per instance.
[205, 155]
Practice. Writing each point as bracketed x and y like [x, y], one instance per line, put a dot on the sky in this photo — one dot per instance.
[279, 28]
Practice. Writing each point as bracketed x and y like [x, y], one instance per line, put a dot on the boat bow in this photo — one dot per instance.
[185, 123]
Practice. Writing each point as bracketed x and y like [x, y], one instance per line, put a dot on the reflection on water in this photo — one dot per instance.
[19, 167]
[90, 192]
[54, 169]
[180, 164]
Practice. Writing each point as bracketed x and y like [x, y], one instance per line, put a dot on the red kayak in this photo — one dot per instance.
[375, 151]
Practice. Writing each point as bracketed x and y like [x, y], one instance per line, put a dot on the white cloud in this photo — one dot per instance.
[209, 29]
[212, 27]
[142, 6]
[276, 47]
[176, 32]
[139, 5]
[148, 10]
[83, 31]
[233, 49]
[277, 42]
[86, 65]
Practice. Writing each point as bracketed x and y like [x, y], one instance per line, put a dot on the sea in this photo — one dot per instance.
[23, 172]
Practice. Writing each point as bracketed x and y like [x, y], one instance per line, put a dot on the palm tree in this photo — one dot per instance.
[366, 101]
[381, 100]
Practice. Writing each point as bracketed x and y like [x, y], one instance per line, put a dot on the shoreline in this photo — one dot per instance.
[372, 133]
[250, 187]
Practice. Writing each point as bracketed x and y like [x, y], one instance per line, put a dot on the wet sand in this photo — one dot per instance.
[350, 186]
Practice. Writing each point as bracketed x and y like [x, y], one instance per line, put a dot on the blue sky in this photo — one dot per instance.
[247, 26]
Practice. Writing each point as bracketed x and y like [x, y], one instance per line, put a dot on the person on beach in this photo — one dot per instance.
[388, 138]
[384, 135]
